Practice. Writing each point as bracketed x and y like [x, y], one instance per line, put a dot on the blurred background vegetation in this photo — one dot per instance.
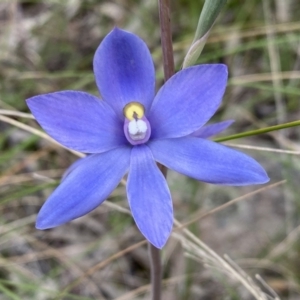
[48, 45]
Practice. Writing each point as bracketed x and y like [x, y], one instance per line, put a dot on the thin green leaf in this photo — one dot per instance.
[258, 131]
[10, 295]
[209, 13]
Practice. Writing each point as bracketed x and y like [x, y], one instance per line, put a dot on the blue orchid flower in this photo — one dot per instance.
[131, 129]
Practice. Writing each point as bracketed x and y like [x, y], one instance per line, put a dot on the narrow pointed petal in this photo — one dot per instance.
[124, 71]
[210, 130]
[187, 101]
[78, 121]
[208, 161]
[149, 197]
[74, 165]
[85, 188]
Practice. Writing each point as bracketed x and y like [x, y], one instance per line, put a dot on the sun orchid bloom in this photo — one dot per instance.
[131, 129]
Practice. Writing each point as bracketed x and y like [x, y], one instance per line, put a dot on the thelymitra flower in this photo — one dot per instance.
[131, 129]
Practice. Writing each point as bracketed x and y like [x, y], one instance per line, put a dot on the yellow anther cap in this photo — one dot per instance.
[133, 110]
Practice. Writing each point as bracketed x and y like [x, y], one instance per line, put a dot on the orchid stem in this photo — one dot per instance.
[156, 272]
[168, 64]
[166, 38]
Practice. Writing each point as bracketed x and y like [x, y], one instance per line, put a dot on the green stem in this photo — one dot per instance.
[258, 131]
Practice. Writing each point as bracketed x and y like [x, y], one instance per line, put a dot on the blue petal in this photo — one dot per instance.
[124, 71]
[187, 101]
[208, 161]
[212, 129]
[85, 188]
[74, 165]
[78, 120]
[149, 197]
